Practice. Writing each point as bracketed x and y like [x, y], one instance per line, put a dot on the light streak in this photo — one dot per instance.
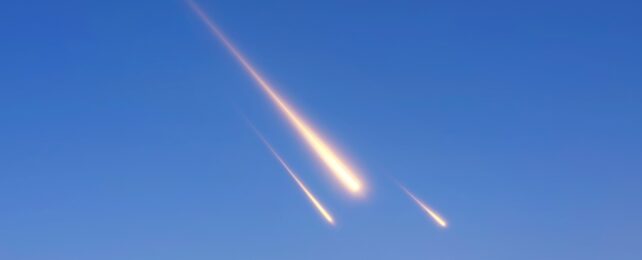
[340, 170]
[326, 215]
[426, 208]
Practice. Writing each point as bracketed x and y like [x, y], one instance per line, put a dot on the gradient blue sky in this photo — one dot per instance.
[520, 121]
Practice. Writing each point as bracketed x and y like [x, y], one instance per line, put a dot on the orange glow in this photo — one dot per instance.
[425, 207]
[337, 166]
[326, 215]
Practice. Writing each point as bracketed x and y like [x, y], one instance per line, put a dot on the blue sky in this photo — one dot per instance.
[519, 121]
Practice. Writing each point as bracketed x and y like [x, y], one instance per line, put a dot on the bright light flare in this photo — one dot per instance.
[426, 208]
[320, 208]
[340, 170]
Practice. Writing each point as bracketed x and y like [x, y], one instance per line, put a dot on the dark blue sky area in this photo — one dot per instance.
[519, 121]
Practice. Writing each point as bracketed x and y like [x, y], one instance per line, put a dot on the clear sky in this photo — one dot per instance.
[519, 121]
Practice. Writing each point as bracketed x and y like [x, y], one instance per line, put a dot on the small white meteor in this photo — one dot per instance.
[438, 219]
[320, 208]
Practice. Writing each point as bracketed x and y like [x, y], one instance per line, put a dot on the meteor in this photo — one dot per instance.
[341, 171]
[425, 207]
[326, 215]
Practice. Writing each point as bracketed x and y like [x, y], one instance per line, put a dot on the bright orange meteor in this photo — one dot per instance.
[425, 207]
[341, 171]
[305, 190]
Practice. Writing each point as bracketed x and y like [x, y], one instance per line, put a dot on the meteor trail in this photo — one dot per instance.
[340, 170]
[425, 207]
[305, 190]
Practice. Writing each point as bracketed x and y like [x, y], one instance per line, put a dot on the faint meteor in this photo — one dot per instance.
[326, 215]
[425, 207]
[327, 154]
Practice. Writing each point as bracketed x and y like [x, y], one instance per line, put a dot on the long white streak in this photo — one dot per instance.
[341, 171]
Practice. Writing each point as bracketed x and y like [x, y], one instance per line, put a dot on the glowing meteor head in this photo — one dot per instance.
[337, 165]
